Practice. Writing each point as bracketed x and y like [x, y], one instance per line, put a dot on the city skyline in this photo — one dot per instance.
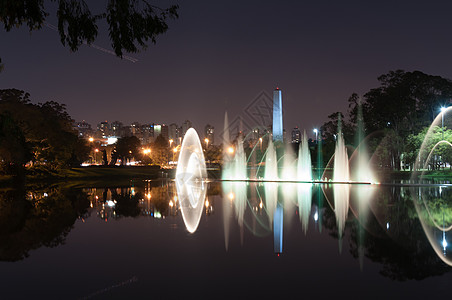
[318, 54]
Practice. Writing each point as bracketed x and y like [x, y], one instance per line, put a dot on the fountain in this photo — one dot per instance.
[190, 180]
[304, 169]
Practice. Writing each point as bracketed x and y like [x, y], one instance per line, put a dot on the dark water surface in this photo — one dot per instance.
[128, 241]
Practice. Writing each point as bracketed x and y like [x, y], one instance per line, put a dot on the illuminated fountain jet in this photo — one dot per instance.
[304, 174]
[190, 180]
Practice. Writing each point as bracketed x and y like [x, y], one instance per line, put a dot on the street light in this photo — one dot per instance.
[95, 155]
[316, 134]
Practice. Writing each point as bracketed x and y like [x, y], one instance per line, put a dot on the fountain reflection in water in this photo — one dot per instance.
[341, 191]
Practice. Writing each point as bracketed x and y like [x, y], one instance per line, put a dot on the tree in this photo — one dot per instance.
[131, 23]
[403, 104]
[14, 150]
[160, 151]
[440, 156]
[126, 149]
[30, 220]
[47, 129]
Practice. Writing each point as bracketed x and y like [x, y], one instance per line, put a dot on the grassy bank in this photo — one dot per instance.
[92, 173]
[99, 172]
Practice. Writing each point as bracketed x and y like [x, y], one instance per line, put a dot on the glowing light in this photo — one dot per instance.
[111, 140]
[443, 109]
[148, 195]
[110, 203]
[261, 204]
[207, 203]
[171, 204]
[147, 151]
[231, 150]
[231, 196]
[96, 150]
[444, 243]
[387, 225]
[316, 216]
[91, 139]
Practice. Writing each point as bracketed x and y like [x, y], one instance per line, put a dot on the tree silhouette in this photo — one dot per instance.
[131, 23]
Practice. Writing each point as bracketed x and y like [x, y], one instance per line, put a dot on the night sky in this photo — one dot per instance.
[221, 55]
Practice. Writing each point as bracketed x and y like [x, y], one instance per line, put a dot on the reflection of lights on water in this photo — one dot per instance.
[387, 225]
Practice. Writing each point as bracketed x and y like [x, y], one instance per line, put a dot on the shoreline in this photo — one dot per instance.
[102, 173]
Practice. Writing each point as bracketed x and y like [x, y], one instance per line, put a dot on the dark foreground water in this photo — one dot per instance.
[129, 241]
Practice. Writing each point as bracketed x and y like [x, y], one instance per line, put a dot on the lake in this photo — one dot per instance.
[136, 239]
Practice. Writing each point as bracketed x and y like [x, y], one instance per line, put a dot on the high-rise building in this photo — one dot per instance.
[185, 126]
[172, 132]
[146, 134]
[209, 133]
[116, 128]
[164, 132]
[296, 135]
[83, 128]
[277, 116]
[135, 129]
[104, 129]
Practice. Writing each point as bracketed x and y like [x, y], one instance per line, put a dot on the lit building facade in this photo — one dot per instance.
[209, 133]
[296, 135]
